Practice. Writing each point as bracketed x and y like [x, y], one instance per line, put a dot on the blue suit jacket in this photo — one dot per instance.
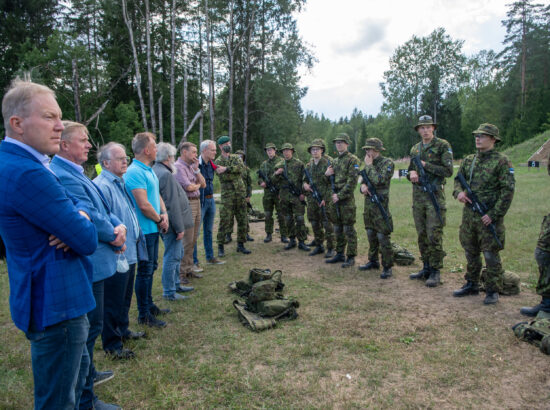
[81, 187]
[46, 284]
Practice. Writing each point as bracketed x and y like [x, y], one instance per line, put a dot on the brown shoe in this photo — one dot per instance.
[183, 279]
[214, 261]
[193, 275]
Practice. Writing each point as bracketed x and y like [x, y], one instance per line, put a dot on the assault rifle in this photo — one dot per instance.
[291, 187]
[427, 186]
[333, 188]
[375, 198]
[477, 206]
[272, 188]
[315, 192]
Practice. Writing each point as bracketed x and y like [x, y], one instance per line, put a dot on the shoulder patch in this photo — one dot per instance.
[389, 168]
[450, 151]
[511, 170]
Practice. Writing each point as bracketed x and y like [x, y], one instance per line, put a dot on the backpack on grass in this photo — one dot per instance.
[536, 332]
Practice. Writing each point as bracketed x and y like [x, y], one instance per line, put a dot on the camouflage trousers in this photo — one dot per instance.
[295, 223]
[429, 229]
[344, 226]
[378, 233]
[233, 206]
[542, 256]
[320, 224]
[475, 238]
[270, 202]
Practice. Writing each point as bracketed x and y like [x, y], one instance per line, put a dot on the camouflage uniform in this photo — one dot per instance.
[542, 255]
[270, 200]
[380, 174]
[438, 156]
[490, 176]
[320, 224]
[233, 194]
[247, 178]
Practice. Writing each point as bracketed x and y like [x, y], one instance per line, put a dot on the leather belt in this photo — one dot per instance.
[208, 196]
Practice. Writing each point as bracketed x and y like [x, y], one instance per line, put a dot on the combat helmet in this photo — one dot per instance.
[342, 137]
[287, 145]
[375, 144]
[425, 120]
[319, 143]
[488, 129]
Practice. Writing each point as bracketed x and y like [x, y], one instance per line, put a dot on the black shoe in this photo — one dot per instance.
[249, 238]
[133, 336]
[284, 239]
[156, 311]
[531, 311]
[242, 249]
[183, 289]
[490, 298]
[151, 321]
[312, 243]
[102, 377]
[228, 238]
[317, 250]
[330, 253]
[386, 273]
[424, 273]
[350, 261]
[268, 238]
[339, 257]
[469, 288]
[291, 244]
[302, 246]
[221, 253]
[120, 354]
[370, 265]
[434, 279]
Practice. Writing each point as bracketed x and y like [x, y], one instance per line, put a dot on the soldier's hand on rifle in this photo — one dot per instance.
[247, 199]
[279, 171]
[335, 198]
[486, 219]
[462, 197]
[307, 187]
[413, 176]
[322, 204]
[365, 189]
[220, 169]
[263, 184]
[329, 171]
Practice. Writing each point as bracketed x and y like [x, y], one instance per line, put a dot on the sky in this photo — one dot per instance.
[353, 41]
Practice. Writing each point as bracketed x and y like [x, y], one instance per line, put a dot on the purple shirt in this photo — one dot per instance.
[186, 176]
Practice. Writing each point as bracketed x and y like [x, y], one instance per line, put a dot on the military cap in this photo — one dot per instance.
[375, 144]
[425, 120]
[488, 129]
[270, 145]
[342, 137]
[223, 139]
[318, 142]
[287, 145]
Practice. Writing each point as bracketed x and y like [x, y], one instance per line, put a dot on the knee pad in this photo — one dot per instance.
[383, 239]
[491, 258]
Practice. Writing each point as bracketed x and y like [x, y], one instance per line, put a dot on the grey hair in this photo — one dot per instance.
[104, 152]
[205, 144]
[164, 151]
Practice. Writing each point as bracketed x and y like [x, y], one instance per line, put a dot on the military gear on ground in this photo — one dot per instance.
[510, 283]
[375, 144]
[223, 139]
[469, 288]
[488, 129]
[319, 143]
[255, 215]
[425, 120]
[370, 265]
[434, 279]
[342, 137]
[536, 332]
[401, 256]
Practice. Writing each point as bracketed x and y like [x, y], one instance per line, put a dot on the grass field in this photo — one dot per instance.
[359, 341]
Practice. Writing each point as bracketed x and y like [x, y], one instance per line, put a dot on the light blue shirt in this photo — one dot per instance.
[141, 176]
[43, 158]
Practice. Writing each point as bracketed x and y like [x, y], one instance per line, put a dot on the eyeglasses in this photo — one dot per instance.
[122, 159]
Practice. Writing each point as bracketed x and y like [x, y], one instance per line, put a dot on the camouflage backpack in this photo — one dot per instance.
[265, 290]
[510, 283]
[537, 332]
[401, 256]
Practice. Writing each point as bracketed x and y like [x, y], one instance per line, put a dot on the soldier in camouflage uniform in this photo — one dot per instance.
[271, 200]
[247, 178]
[344, 169]
[379, 170]
[542, 256]
[436, 157]
[293, 206]
[320, 223]
[491, 177]
[230, 170]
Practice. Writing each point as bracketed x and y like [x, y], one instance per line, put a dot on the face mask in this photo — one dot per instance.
[226, 149]
[122, 264]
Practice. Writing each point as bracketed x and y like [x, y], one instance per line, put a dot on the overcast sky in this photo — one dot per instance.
[354, 40]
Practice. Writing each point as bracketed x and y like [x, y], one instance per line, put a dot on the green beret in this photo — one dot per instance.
[223, 139]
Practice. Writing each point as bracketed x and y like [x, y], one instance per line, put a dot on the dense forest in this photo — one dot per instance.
[196, 69]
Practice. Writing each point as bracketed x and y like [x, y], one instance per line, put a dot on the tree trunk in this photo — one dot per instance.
[76, 92]
[161, 137]
[210, 70]
[172, 75]
[251, 26]
[185, 98]
[149, 67]
[231, 57]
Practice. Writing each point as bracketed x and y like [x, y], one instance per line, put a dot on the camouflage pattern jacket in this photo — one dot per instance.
[346, 170]
[380, 174]
[231, 181]
[491, 177]
[438, 156]
[247, 178]
[268, 167]
[295, 172]
[317, 172]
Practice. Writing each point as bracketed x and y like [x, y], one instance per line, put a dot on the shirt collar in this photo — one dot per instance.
[44, 159]
[141, 164]
[110, 176]
[79, 168]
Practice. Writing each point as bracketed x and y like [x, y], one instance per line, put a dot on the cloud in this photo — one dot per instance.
[370, 33]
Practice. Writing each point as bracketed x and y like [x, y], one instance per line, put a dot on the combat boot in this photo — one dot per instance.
[268, 238]
[312, 243]
[386, 273]
[469, 288]
[242, 249]
[350, 261]
[434, 278]
[490, 298]
[302, 246]
[421, 274]
[544, 305]
[318, 249]
[370, 265]
[221, 253]
[284, 239]
[228, 238]
[330, 253]
[249, 238]
[339, 257]
[291, 244]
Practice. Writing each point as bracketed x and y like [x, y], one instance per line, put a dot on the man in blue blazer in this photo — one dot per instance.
[111, 234]
[47, 234]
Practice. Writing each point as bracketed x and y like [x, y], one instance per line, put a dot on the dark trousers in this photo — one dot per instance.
[144, 277]
[128, 293]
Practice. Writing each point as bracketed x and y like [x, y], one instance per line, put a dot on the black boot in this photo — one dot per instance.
[318, 249]
[469, 288]
[434, 278]
[249, 238]
[350, 261]
[228, 238]
[491, 297]
[221, 253]
[544, 305]
[370, 265]
[312, 243]
[291, 244]
[339, 257]
[421, 274]
[302, 246]
[386, 273]
[330, 253]
[268, 238]
[242, 249]
[284, 239]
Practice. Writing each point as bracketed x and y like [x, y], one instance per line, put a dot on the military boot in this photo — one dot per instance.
[268, 238]
[284, 239]
[339, 257]
[221, 253]
[291, 244]
[421, 274]
[228, 238]
[544, 305]
[242, 249]
[469, 288]
[302, 246]
[491, 297]
[370, 265]
[386, 273]
[249, 238]
[312, 243]
[317, 250]
[434, 278]
[350, 261]
[330, 253]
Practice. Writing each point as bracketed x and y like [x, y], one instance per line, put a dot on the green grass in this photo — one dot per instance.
[519, 154]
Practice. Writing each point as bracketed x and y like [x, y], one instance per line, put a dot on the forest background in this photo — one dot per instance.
[197, 69]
